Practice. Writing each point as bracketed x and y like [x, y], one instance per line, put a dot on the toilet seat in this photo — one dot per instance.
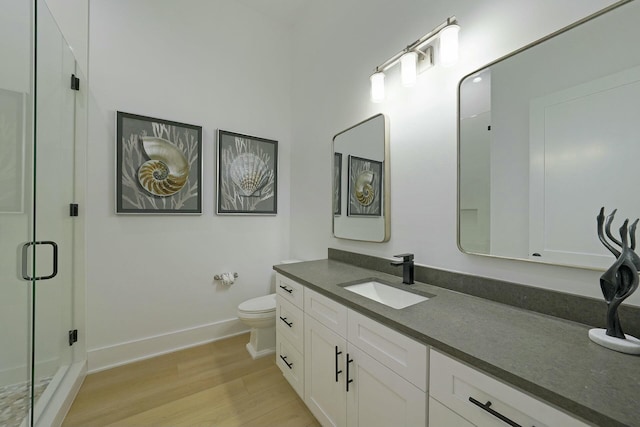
[263, 304]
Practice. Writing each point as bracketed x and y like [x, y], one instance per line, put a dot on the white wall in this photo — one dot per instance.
[213, 64]
[72, 19]
[336, 51]
[15, 45]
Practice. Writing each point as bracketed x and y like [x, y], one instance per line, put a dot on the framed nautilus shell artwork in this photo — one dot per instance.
[247, 175]
[365, 178]
[158, 166]
[12, 151]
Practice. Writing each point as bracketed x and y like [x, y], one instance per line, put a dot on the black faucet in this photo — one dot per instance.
[407, 267]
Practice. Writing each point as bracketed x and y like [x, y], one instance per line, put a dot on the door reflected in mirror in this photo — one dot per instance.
[548, 136]
[361, 203]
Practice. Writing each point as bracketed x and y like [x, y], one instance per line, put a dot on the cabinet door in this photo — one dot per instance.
[441, 416]
[324, 384]
[378, 397]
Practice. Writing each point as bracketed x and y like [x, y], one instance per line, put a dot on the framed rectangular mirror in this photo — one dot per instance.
[360, 197]
[547, 136]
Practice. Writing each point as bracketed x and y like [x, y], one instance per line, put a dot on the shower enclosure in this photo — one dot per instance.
[40, 364]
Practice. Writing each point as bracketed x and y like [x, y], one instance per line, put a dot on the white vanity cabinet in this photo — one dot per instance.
[358, 372]
[289, 331]
[325, 389]
[379, 397]
[353, 371]
[460, 396]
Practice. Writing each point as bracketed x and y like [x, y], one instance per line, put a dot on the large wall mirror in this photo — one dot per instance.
[549, 135]
[361, 202]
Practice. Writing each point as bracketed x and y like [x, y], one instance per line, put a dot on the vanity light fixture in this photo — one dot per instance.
[449, 45]
[377, 87]
[419, 55]
[409, 68]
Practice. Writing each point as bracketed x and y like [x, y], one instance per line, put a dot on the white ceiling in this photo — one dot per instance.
[285, 11]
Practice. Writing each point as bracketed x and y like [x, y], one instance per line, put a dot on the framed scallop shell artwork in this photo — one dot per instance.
[365, 178]
[158, 166]
[247, 175]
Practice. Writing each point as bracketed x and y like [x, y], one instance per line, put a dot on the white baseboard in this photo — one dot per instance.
[100, 359]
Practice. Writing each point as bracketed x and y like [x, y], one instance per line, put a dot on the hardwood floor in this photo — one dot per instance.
[216, 384]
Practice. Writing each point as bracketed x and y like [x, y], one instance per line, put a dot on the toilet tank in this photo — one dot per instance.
[273, 276]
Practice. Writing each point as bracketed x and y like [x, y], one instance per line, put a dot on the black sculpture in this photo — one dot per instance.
[621, 279]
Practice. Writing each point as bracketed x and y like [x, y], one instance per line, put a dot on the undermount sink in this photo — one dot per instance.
[385, 294]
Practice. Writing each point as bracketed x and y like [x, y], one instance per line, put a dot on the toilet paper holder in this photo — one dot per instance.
[219, 276]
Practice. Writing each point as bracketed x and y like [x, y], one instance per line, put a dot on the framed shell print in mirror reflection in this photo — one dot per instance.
[365, 178]
[158, 166]
[247, 175]
[337, 188]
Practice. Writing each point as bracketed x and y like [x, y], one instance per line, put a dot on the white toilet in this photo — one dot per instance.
[260, 315]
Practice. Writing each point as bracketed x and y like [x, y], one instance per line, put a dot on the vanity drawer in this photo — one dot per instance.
[289, 322]
[401, 354]
[290, 290]
[453, 384]
[441, 416]
[291, 363]
[331, 314]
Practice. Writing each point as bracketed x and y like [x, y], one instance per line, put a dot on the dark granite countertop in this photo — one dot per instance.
[547, 357]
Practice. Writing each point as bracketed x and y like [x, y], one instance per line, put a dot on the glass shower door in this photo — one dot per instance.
[37, 168]
[15, 208]
[54, 155]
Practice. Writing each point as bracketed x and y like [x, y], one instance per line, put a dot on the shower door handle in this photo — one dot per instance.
[25, 249]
